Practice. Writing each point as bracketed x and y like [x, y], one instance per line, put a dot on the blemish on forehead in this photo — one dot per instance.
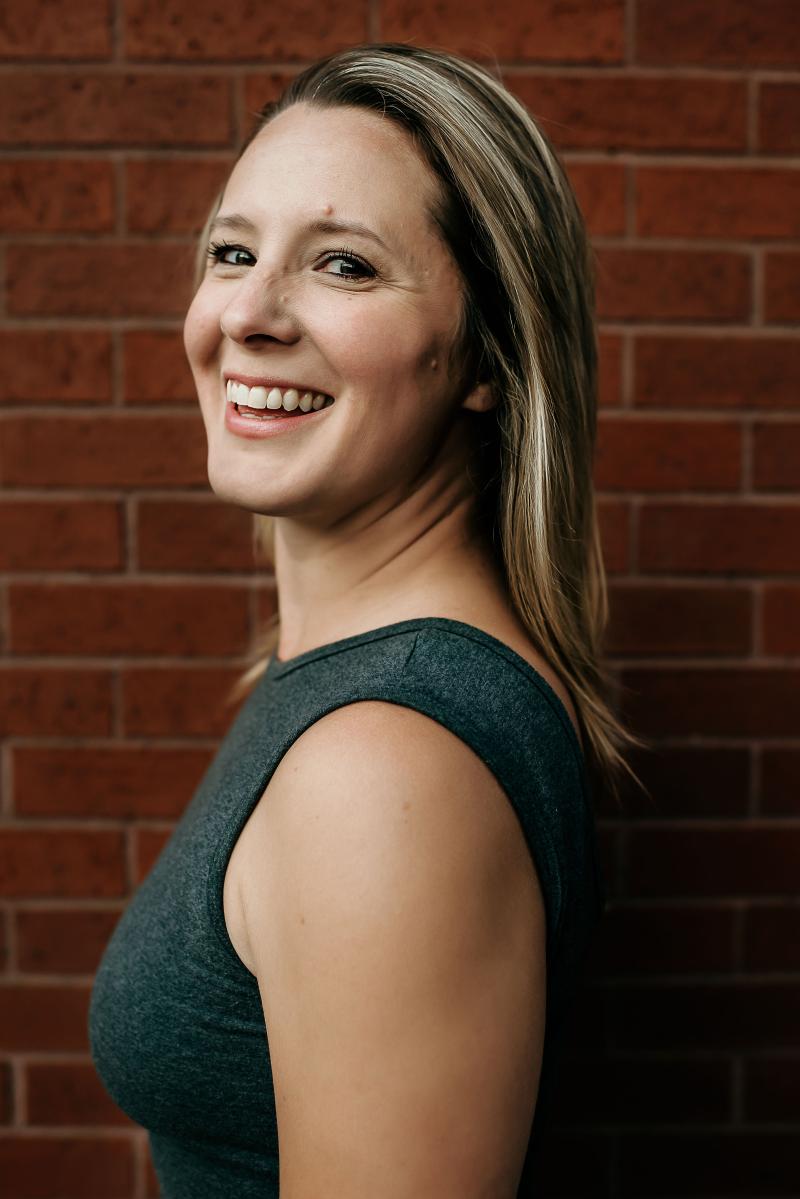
[327, 209]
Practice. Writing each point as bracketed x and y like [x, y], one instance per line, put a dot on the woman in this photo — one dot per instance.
[354, 954]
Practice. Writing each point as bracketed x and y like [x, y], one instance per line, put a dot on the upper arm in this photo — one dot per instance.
[397, 928]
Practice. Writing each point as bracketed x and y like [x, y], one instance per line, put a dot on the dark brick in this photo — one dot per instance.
[717, 372]
[676, 619]
[735, 537]
[718, 33]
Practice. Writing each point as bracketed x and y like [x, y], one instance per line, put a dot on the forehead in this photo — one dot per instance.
[362, 165]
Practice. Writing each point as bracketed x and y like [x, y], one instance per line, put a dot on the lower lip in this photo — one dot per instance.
[256, 427]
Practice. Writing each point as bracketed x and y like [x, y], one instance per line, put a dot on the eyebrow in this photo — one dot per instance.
[235, 220]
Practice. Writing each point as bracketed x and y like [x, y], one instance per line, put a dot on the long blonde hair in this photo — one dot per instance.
[509, 215]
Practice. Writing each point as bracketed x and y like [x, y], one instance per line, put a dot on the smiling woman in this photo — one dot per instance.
[347, 973]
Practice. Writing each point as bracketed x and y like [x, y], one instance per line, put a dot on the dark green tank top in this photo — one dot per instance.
[176, 1024]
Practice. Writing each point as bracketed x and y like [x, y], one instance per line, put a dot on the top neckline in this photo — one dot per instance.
[278, 667]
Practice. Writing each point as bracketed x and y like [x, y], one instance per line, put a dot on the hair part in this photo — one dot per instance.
[508, 214]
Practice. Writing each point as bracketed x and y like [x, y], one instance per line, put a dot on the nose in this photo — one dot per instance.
[258, 309]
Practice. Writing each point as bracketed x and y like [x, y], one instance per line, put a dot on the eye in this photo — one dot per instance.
[359, 269]
[228, 254]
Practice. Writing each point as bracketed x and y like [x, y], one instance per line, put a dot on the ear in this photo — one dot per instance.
[481, 398]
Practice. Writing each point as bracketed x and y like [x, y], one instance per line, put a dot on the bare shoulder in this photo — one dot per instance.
[396, 929]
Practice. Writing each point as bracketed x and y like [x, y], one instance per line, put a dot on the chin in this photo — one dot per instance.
[231, 488]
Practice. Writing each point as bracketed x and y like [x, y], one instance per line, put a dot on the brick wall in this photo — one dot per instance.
[127, 593]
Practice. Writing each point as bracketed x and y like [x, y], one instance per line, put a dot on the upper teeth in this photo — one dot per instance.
[260, 397]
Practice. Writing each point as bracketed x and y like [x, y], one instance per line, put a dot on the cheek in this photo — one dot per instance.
[201, 331]
[387, 345]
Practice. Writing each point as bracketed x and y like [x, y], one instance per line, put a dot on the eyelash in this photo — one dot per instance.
[217, 249]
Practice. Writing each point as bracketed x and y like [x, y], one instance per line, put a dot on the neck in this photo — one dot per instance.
[395, 558]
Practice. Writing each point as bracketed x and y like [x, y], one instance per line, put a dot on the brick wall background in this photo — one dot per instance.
[128, 596]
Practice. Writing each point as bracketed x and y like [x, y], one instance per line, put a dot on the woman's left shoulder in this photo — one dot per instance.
[508, 633]
[515, 637]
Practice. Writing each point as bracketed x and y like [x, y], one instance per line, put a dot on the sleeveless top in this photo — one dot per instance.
[176, 1024]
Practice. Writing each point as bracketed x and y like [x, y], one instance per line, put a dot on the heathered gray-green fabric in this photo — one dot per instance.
[176, 1024]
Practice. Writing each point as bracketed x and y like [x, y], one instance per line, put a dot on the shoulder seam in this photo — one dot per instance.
[524, 670]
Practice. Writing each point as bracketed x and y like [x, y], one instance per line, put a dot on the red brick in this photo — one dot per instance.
[717, 372]
[736, 1163]
[780, 628]
[667, 285]
[643, 453]
[780, 782]
[43, 1017]
[746, 859]
[636, 112]
[772, 1089]
[170, 702]
[41, 29]
[645, 1092]
[139, 108]
[609, 370]
[747, 702]
[62, 535]
[663, 940]
[63, 940]
[554, 32]
[156, 370]
[172, 196]
[121, 782]
[776, 456]
[108, 450]
[718, 32]
[261, 89]
[614, 519]
[49, 1167]
[43, 702]
[782, 286]
[600, 189]
[652, 619]
[6, 1093]
[647, 453]
[56, 196]
[69, 1093]
[61, 862]
[186, 29]
[779, 117]
[54, 365]
[772, 936]
[148, 843]
[736, 537]
[137, 619]
[201, 536]
[728, 1015]
[725, 202]
[689, 781]
[92, 280]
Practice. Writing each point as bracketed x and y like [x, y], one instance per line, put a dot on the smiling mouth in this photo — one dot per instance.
[263, 403]
[263, 414]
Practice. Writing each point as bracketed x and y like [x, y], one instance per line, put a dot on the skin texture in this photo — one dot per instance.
[384, 896]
